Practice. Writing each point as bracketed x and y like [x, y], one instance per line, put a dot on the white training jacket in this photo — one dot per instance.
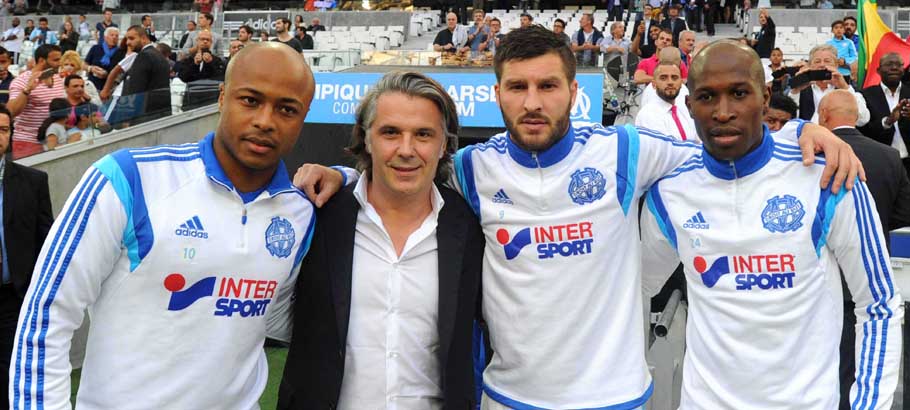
[763, 249]
[181, 279]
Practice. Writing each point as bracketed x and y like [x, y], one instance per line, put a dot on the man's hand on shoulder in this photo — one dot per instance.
[840, 160]
[318, 182]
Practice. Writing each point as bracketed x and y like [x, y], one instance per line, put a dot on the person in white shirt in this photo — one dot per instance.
[406, 254]
[668, 54]
[889, 107]
[763, 247]
[807, 96]
[663, 114]
[85, 30]
[12, 39]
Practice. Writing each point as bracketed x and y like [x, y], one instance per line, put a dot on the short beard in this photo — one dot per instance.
[666, 97]
[560, 127]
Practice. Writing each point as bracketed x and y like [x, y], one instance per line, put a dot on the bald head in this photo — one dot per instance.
[838, 109]
[293, 62]
[669, 55]
[726, 52]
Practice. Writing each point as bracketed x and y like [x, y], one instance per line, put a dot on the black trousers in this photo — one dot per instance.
[9, 315]
[710, 14]
[847, 366]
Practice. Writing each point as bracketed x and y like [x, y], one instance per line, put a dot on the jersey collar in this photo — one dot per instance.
[545, 158]
[746, 165]
[280, 181]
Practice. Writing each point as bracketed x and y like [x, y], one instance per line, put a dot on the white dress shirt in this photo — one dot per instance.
[657, 116]
[818, 93]
[893, 99]
[649, 94]
[391, 360]
[14, 46]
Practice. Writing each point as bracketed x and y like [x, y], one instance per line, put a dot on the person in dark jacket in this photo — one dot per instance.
[764, 40]
[148, 79]
[889, 107]
[68, 37]
[203, 65]
[103, 57]
[306, 40]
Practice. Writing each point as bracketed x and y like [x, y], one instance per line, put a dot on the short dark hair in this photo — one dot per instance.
[147, 16]
[783, 103]
[284, 20]
[496, 20]
[560, 21]
[531, 42]
[836, 22]
[163, 48]
[777, 49]
[850, 18]
[526, 15]
[246, 28]
[42, 20]
[191, 21]
[139, 30]
[108, 9]
[5, 111]
[82, 15]
[5, 51]
[70, 78]
[208, 16]
[45, 50]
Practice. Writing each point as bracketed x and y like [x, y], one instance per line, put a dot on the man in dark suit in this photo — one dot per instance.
[889, 186]
[673, 23]
[148, 79]
[26, 204]
[390, 288]
[889, 107]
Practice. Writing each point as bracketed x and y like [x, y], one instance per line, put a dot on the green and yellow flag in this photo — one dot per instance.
[875, 40]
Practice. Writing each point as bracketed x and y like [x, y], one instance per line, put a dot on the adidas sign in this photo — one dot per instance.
[697, 221]
[500, 197]
[192, 228]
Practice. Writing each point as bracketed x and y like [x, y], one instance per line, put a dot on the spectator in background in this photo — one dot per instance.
[645, 71]
[451, 38]
[43, 34]
[6, 77]
[283, 28]
[149, 26]
[673, 23]
[236, 46]
[74, 90]
[298, 21]
[850, 30]
[84, 29]
[888, 184]
[147, 82]
[190, 27]
[559, 28]
[108, 21]
[204, 65]
[686, 46]
[203, 6]
[315, 26]
[495, 36]
[614, 10]
[69, 37]
[586, 42]
[615, 45]
[889, 108]
[664, 114]
[52, 132]
[764, 40]
[525, 20]
[780, 110]
[103, 57]
[846, 51]
[645, 45]
[646, 18]
[165, 51]
[824, 57]
[12, 39]
[263, 36]
[24, 192]
[29, 27]
[71, 63]
[825, 5]
[245, 35]
[205, 24]
[478, 33]
[30, 95]
[306, 40]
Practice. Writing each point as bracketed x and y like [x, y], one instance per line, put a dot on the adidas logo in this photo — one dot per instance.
[697, 221]
[500, 197]
[192, 228]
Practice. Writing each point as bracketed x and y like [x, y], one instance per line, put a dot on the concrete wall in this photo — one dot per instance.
[357, 18]
[66, 165]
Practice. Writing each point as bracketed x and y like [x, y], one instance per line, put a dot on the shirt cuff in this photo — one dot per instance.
[885, 124]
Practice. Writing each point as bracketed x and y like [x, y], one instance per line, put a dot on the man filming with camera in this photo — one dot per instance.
[818, 78]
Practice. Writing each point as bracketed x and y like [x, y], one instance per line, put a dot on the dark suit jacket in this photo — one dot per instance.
[878, 109]
[189, 71]
[886, 178]
[680, 27]
[315, 363]
[150, 76]
[27, 218]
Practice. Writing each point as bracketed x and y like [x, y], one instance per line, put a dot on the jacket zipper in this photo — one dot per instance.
[540, 188]
[735, 193]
